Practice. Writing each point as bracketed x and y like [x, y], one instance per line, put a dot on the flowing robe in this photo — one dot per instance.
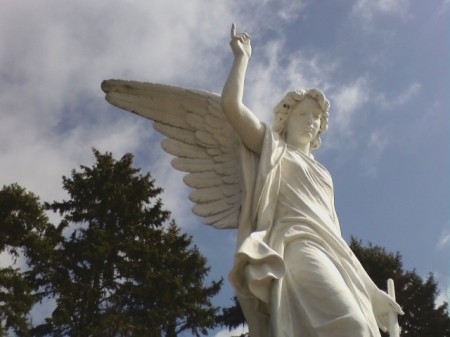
[294, 274]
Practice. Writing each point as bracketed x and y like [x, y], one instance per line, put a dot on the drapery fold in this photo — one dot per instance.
[289, 200]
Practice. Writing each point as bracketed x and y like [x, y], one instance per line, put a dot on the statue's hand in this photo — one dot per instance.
[240, 43]
[382, 305]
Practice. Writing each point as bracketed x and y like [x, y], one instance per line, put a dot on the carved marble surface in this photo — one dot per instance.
[294, 274]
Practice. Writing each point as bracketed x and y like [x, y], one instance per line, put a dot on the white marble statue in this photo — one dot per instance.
[294, 274]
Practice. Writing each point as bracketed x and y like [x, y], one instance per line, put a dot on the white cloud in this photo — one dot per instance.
[445, 6]
[443, 244]
[368, 9]
[235, 332]
[407, 94]
[39, 159]
[54, 61]
[42, 310]
[443, 279]
[378, 141]
[442, 297]
[444, 239]
[351, 102]
[263, 14]
[275, 73]
[397, 99]
[5, 260]
[348, 100]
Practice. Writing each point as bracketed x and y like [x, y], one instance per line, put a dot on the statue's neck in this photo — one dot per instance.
[301, 147]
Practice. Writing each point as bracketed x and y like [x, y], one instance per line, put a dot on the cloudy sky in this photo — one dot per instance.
[384, 64]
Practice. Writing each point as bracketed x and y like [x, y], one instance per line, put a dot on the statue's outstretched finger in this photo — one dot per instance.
[233, 30]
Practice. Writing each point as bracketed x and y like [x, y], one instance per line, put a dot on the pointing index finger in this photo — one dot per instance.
[233, 30]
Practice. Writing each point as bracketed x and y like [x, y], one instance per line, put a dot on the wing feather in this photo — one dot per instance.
[215, 109]
[195, 121]
[197, 105]
[214, 207]
[203, 179]
[193, 165]
[181, 135]
[203, 195]
[224, 158]
[227, 169]
[139, 105]
[231, 180]
[226, 219]
[214, 152]
[198, 135]
[213, 122]
[206, 139]
[181, 149]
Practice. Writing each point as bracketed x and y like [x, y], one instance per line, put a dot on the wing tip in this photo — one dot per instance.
[107, 85]
[104, 86]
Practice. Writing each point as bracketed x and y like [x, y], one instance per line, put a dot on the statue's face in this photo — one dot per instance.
[304, 122]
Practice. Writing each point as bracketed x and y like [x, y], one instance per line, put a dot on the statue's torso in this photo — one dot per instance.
[305, 198]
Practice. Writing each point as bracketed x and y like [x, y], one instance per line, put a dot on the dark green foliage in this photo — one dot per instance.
[115, 265]
[120, 270]
[22, 221]
[23, 227]
[231, 317]
[416, 295]
[16, 300]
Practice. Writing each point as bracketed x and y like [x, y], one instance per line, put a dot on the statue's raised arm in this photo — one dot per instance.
[246, 124]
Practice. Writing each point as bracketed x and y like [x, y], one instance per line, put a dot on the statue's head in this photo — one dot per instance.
[284, 109]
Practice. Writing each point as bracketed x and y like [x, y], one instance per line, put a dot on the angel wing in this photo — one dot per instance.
[199, 135]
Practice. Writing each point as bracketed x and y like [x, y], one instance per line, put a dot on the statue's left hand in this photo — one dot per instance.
[382, 305]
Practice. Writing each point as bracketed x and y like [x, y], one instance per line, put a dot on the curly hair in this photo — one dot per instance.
[284, 109]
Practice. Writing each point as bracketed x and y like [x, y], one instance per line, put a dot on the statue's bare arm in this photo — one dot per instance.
[246, 124]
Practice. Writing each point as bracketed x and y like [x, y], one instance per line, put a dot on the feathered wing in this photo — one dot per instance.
[199, 135]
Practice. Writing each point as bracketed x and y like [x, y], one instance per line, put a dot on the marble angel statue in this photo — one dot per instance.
[294, 274]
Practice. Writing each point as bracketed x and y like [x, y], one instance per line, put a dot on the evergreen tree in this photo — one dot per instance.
[416, 295]
[119, 268]
[23, 231]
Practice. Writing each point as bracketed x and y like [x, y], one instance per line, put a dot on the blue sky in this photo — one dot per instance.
[384, 65]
